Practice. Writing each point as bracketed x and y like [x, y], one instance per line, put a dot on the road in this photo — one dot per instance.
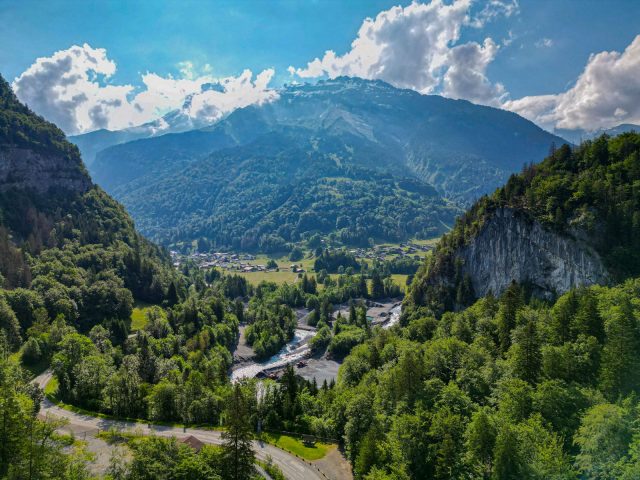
[292, 467]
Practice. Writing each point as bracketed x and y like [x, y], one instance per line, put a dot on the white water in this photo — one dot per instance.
[394, 318]
[290, 353]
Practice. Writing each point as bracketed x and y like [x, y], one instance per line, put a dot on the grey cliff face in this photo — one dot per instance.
[25, 169]
[510, 248]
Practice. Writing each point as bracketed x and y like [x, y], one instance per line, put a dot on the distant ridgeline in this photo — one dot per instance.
[61, 237]
[347, 157]
[572, 220]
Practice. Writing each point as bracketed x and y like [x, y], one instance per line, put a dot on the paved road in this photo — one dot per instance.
[292, 467]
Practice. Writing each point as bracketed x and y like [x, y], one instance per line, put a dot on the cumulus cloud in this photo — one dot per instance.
[417, 47]
[72, 89]
[465, 77]
[230, 93]
[606, 94]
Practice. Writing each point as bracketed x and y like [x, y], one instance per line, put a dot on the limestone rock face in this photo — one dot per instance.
[26, 169]
[512, 247]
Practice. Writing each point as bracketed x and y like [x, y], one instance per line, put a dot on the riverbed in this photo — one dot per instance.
[384, 315]
[293, 351]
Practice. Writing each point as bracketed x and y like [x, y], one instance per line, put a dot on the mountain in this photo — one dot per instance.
[281, 189]
[577, 136]
[347, 124]
[61, 236]
[175, 121]
[90, 144]
[570, 221]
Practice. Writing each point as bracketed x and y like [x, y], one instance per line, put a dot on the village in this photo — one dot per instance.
[246, 262]
[384, 252]
[234, 262]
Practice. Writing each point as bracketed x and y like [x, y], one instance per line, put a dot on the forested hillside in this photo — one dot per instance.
[504, 389]
[282, 189]
[511, 386]
[67, 249]
[587, 195]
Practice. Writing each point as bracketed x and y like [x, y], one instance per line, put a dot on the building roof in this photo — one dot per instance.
[193, 442]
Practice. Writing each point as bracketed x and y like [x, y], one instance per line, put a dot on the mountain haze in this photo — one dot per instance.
[577, 136]
[90, 144]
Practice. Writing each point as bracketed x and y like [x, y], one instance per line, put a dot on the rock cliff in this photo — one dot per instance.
[510, 247]
[26, 169]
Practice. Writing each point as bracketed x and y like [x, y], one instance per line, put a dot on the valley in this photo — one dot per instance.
[339, 280]
[283, 267]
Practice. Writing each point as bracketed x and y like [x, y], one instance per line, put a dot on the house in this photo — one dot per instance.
[193, 442]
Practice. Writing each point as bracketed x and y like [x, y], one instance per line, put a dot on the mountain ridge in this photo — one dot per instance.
[420, 132]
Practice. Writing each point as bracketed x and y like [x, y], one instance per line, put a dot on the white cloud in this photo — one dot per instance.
[493, 9]
[234, 92]
[606, 94]
[544, 43]
[465, 77]
[417, 47]
[72, 89]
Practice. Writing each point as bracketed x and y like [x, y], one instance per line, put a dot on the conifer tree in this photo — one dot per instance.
[509, 304]
[377, 287]
[620, 367]
[238, 455]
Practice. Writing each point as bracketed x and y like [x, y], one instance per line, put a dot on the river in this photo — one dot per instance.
[297, 349]
[294, 350]
[394, 317]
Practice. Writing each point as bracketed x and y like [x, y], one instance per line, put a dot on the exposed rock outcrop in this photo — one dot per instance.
[510, 247]
[26, 169]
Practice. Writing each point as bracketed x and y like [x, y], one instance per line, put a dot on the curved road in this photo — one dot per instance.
[292, 467]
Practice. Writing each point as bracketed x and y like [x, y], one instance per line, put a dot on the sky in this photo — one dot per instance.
[113, 64]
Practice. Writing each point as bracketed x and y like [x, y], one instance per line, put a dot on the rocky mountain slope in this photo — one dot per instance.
[23, 168]
[572, 220]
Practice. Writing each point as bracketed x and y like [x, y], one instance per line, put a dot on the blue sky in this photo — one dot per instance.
[538, 47]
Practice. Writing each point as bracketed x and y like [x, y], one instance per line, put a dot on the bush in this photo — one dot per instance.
[320, 341]
[296, 254]
[342, 343]
[31, 351]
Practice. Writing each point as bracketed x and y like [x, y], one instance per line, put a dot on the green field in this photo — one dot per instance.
[400, 280]
[297, 446]
[285, 275]
[138, 316]
[255, 278]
